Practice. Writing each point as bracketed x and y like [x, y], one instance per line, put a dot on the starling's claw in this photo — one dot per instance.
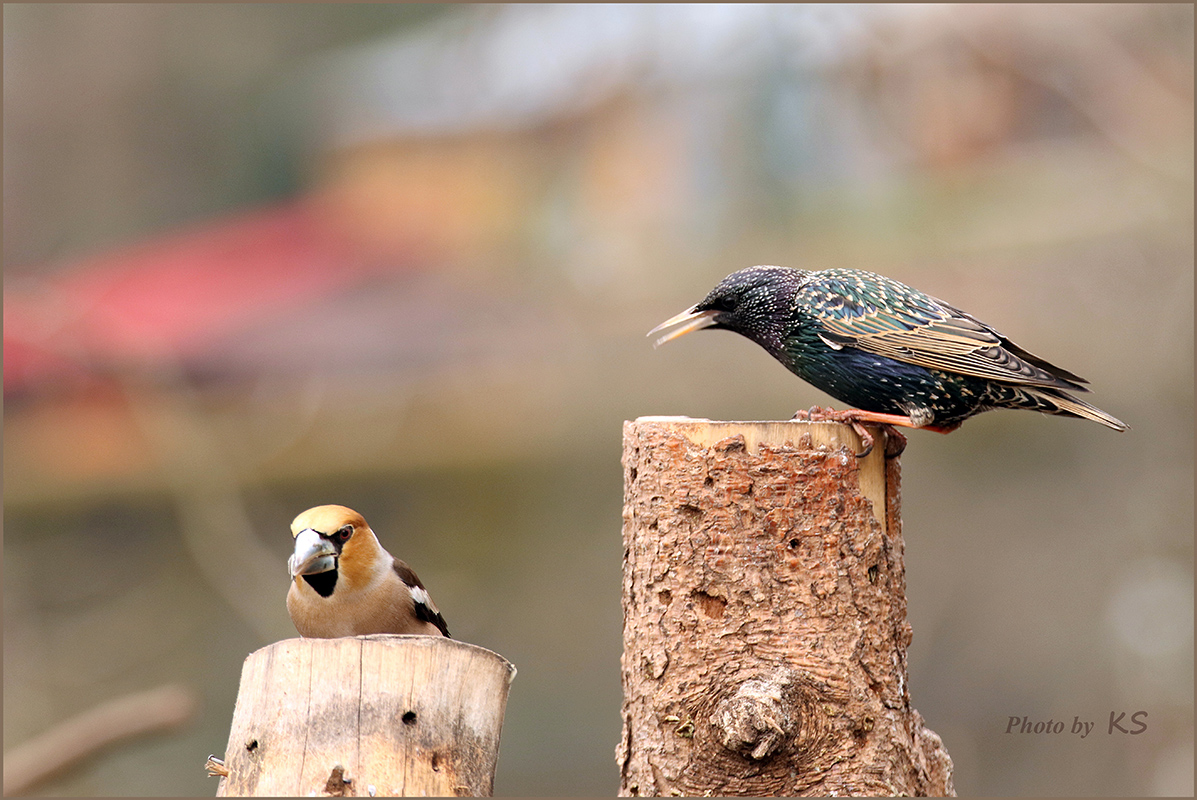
[814, 414]
[866, 438]
[895, 441]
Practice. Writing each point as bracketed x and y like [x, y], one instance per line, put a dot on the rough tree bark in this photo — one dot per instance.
[378, 715]
[765, 626]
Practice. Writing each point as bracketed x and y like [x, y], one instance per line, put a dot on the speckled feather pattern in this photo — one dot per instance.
[882, 346]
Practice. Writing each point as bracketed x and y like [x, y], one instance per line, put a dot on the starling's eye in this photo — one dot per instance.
[343, 534]
[722, 304]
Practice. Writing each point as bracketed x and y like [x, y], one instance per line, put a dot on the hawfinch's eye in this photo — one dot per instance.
[344, 533]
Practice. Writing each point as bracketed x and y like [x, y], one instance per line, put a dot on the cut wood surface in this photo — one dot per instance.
[380, 715]
[765, 628]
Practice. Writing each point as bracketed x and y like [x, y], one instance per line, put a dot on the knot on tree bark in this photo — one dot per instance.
[759, 718]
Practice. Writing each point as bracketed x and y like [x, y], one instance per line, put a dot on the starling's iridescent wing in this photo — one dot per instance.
[882, 316]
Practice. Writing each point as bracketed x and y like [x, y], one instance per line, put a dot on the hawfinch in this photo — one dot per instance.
[344, 584]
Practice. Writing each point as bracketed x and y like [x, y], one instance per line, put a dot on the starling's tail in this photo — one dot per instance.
[1060, 403]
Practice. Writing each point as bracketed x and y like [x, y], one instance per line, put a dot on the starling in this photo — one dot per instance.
[900, 356]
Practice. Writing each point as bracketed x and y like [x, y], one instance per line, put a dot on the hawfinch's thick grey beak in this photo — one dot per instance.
[313, 554]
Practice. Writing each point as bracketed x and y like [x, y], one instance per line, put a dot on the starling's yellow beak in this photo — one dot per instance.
[689, 320]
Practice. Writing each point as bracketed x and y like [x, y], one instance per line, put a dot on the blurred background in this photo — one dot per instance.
[403, 258]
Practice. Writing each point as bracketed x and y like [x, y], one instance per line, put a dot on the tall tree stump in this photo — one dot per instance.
[380, 715]
[764, 606]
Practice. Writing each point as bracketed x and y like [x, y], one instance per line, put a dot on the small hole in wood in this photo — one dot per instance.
[251, 745]
[710, 605]
[409, 718]
[793, 542]
[436, 763]
[873, 573]
[632, 473]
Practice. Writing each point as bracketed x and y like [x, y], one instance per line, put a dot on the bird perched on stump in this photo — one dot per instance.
[343, 583]
[900, 356]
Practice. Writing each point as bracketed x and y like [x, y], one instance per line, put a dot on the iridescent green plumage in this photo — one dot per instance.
[900, 356]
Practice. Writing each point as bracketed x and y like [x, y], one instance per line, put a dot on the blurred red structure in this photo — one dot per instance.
[171, 297]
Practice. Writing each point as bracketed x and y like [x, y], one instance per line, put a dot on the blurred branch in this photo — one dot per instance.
[82, 736]
[212, 516]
